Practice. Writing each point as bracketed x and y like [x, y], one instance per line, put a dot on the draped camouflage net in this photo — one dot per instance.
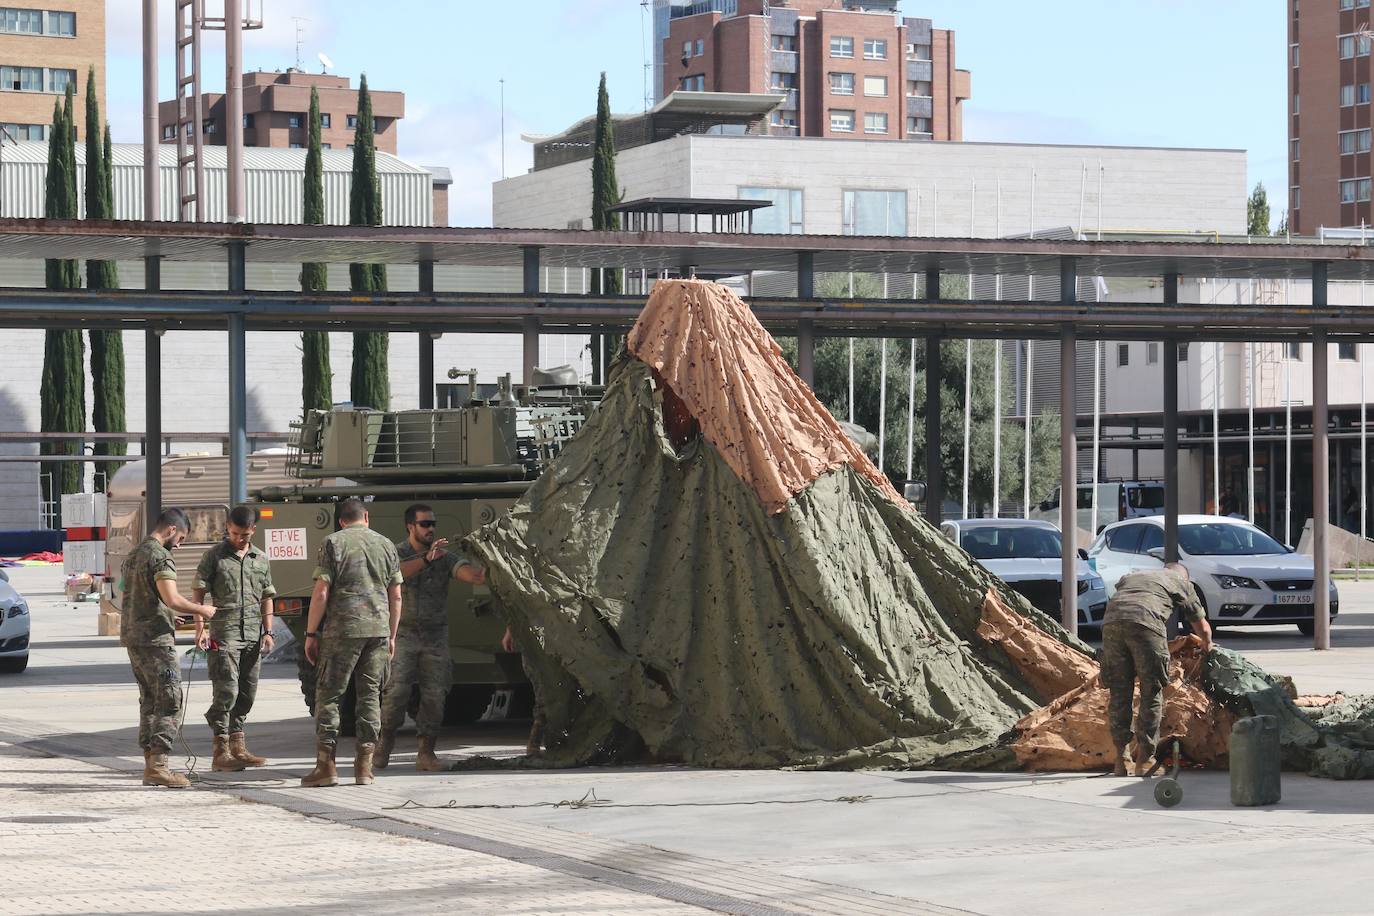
[711, 573]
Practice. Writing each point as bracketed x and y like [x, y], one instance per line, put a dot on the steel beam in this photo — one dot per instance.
[1170, 371]
[806, 351]
[152, 402]
[1068, 453]
[238, 382]
[1321, 511]
[426, 342]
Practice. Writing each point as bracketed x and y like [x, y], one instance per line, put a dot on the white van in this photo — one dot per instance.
[1116, 501]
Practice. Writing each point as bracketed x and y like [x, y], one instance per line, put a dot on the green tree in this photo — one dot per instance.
[370, 381]
[317, 379]
[1257, 211]
[605, 195]
[831, 364]
[107, 347]
[63, 396]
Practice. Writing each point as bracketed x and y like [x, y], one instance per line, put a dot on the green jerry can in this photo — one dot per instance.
[1255, 762]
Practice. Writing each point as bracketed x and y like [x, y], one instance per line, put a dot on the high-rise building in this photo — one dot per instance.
[1329, 151]
[847, 68]
[44, 47]
[276, 108]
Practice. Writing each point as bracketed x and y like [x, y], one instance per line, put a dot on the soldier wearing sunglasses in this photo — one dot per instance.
[422, 652]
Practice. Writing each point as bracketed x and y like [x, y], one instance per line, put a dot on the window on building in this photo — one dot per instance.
[23, 22]
[841, 46]
[1362, 94]
[785, 43]
[875, 85]
[842, 120]
[875, 49]
[874, 212]
[17, 133]
[1354, 189]
[21, 79]
[1151, 352]
[918, 88]
[875, 122]
[1361, 4]
[247, 120]
[1294, 148]
[783, 118]
[326, 146]
[1296, 100]
[918, 126]
[1297, 198]
[1346, 45]
[1348, 191]
[297, 146]
[349, 146]
[701, 47]
[324, 120]
[1295, 55]
[208, 126]
[1347, 95]
[188, 129]
[1347, 4]
[60, 23]
[785, 216]
[1292, 350]
[783, 82]
[841, 84]
[295, 120]
[1123, 354]
[686, 50]
[59, 80]
[1352, 141]
[169, 131]
[1345, 351]
[695, 83]
[1183, 351]
[352, 122]
[918, 52]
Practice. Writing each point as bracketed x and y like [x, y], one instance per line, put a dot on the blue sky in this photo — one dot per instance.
[1160, 73]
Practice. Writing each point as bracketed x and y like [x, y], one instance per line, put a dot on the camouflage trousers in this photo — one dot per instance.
[363, 659]
[1130, 652]
[159, 695]
[234, 668]
[419, 660]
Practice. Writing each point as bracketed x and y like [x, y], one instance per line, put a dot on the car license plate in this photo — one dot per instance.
[1293, 598]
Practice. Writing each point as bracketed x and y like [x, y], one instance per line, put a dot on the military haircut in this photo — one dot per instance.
[415, 510]
[351, 510]
[243, 517]
[173, 518]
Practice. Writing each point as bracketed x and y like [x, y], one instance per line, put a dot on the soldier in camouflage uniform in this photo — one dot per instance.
[147, 628]
[422, 652]
[357, 601]
[1135, 646]
[237, 577]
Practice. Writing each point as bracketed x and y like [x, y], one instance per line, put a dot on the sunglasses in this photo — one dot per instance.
[428, 523]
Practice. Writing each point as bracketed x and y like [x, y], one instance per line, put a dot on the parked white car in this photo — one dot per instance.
[1242, 575]
[14, 628]
[1025, 554]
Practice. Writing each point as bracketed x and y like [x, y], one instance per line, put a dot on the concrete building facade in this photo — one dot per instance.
[276, 108]
[44, 46]
[846, 68]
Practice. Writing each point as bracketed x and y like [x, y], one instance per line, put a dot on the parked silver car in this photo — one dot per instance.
[1026, 554]
[14, 628]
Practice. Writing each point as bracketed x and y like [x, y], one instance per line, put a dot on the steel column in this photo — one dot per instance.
[806, 351]
[935, 471]
[529, 334]
[238, 383]
[233, 109]
[1170, 370]
[152, 402]
[152, 207]
[426, 342]
[530, 263]
[806, 275]
[1321, 511]
[1068, 453]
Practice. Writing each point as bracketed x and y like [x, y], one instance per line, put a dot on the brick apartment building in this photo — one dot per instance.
[1329, 154]
[44, 45]
[276, 108]
[848, 68]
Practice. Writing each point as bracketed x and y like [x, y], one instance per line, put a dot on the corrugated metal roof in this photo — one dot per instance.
[255, 158]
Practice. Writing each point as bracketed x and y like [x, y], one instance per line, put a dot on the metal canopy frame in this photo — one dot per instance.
[238, 309]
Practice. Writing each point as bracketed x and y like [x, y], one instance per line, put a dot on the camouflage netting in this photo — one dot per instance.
[712, 573]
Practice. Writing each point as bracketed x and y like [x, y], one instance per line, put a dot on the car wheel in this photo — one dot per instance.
[13, 665]
[1307, 627]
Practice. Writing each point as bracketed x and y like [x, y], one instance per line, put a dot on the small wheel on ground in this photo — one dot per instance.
[1168, 792]
[1307, 627]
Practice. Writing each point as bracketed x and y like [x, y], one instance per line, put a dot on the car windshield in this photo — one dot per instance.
[1219, 540]
[1011, 543]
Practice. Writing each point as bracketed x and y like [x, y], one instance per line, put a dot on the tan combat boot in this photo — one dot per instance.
[425, 761]
[362, 764]
[155, 772]
[238, 746]
[1121, 762]
[324, 773]
[224, 761]
[382, 756]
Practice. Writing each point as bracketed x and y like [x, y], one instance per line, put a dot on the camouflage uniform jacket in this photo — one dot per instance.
[425, 609]
[145, 621]
[236, 586]
[1149, 597]
[359, 564]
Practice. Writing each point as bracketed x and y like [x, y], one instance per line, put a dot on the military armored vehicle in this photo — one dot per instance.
[470, 460]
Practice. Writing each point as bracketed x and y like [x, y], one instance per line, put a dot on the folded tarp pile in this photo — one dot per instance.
[712, 573]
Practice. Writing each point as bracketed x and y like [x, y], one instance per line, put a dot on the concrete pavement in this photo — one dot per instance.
[653, 839]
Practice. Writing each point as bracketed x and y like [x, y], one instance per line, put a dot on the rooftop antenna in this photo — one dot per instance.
[644, 51]
[298, 20]
[502, 81]
[325, 62]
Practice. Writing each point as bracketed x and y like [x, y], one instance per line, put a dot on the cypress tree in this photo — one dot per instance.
[605, 194]
[107, 347]
[369, 382]
[63, 396]
[316, 376]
